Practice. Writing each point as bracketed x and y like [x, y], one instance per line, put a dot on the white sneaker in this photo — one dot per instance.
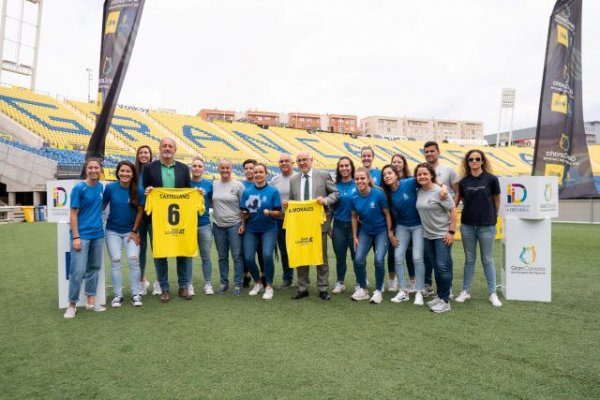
[400, 297]
[411, 286]
[144, 287]
[495, 300]
[157, 291]
[256, 289]
[418, 299]
[393, 285]
[358, 286]
[360, 294]
[377, 297]
[116, 303]
[433, 302]
[339, 288]
[463, 296]
[268, 295]
[191, 290]
[208, 289]
[441, 307]
[95, 307]
[70, 312]
[137, 301]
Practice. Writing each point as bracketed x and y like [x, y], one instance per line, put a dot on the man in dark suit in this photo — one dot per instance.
[313, 184]
[168, 173]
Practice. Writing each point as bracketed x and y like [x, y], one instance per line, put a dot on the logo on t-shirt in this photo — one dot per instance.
[372, 205]
[253, 203]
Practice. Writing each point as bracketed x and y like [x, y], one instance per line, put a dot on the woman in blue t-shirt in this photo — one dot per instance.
[370, 213]
[341, 234]
[143, 157]
[261, 206]
[204, 228]
[86, 237]
[126, 207]
[479, 191]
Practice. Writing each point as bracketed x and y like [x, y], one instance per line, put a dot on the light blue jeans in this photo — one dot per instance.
[404, 234]
[485, 235]
[115, 243]
[85, 264]
[205, 239]
[225, 239]
[365, 241]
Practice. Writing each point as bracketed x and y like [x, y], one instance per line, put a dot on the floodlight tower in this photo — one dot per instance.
[507, 106]
[24, 49]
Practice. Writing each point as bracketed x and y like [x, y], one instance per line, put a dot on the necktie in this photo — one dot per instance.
[306, 187]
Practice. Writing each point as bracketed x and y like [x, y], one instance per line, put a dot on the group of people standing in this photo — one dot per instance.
[411, 219]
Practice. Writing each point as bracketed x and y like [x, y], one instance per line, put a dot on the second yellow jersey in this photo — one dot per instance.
[302, 224]
[174, 221]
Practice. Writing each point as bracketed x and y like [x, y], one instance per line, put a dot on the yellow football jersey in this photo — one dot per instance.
[174, 221]
[302, 224]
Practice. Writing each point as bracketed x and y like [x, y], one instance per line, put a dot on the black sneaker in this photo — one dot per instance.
[117, 301]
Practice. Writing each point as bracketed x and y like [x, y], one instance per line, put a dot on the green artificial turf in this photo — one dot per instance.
[222, 347]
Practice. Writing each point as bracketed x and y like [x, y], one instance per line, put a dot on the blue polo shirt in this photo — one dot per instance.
[207, 185]
[343, 206]
[370, 211]
[404, 203]
[122, 216]
[88, 200]
[255, 200]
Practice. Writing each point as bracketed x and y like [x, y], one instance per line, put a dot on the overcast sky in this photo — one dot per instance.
[425, 58]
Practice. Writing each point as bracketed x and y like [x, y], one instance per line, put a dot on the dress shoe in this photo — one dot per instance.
[324, 295]
[165, 296]
[184, 294]
[300, 294]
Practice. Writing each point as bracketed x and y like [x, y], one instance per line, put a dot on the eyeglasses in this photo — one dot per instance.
[299, 160]
[474, 159]
[284, 161]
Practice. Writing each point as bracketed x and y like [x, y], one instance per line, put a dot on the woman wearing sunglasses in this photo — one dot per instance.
[479, 191]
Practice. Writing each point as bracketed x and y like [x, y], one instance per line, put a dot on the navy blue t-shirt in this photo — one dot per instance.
[255, 200]
[121, 217]
[207, 185]
[88, 200]
[477, 195]
[404, 203]
[343, 206]
[370, 211]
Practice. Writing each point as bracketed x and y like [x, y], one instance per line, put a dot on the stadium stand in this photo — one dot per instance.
[209, 140]
[47, 118]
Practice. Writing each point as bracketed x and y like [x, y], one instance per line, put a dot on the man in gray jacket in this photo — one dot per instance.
[313, 184]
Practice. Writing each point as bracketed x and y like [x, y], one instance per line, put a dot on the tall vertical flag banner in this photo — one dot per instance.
[561, 147]
[120, 23]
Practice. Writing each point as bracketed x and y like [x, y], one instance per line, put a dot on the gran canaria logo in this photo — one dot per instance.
[527, 255]
[564, 143]
[548, 192]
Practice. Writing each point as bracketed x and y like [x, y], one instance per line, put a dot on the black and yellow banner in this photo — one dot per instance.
[120, 23]
[561, 147]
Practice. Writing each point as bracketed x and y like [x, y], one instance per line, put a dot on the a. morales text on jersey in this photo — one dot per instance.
[299, 209]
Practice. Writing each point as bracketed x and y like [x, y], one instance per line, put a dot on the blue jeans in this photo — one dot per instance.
[485, 235]
[440, 256]
[184, 264]
[145, 231]
[205, 238]
[381, 244]
[267, 240]
[404, 234]
[288, 273]
[115, 243]
[226, 239]
[85, 264]
[429, 267]
[342, 241]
